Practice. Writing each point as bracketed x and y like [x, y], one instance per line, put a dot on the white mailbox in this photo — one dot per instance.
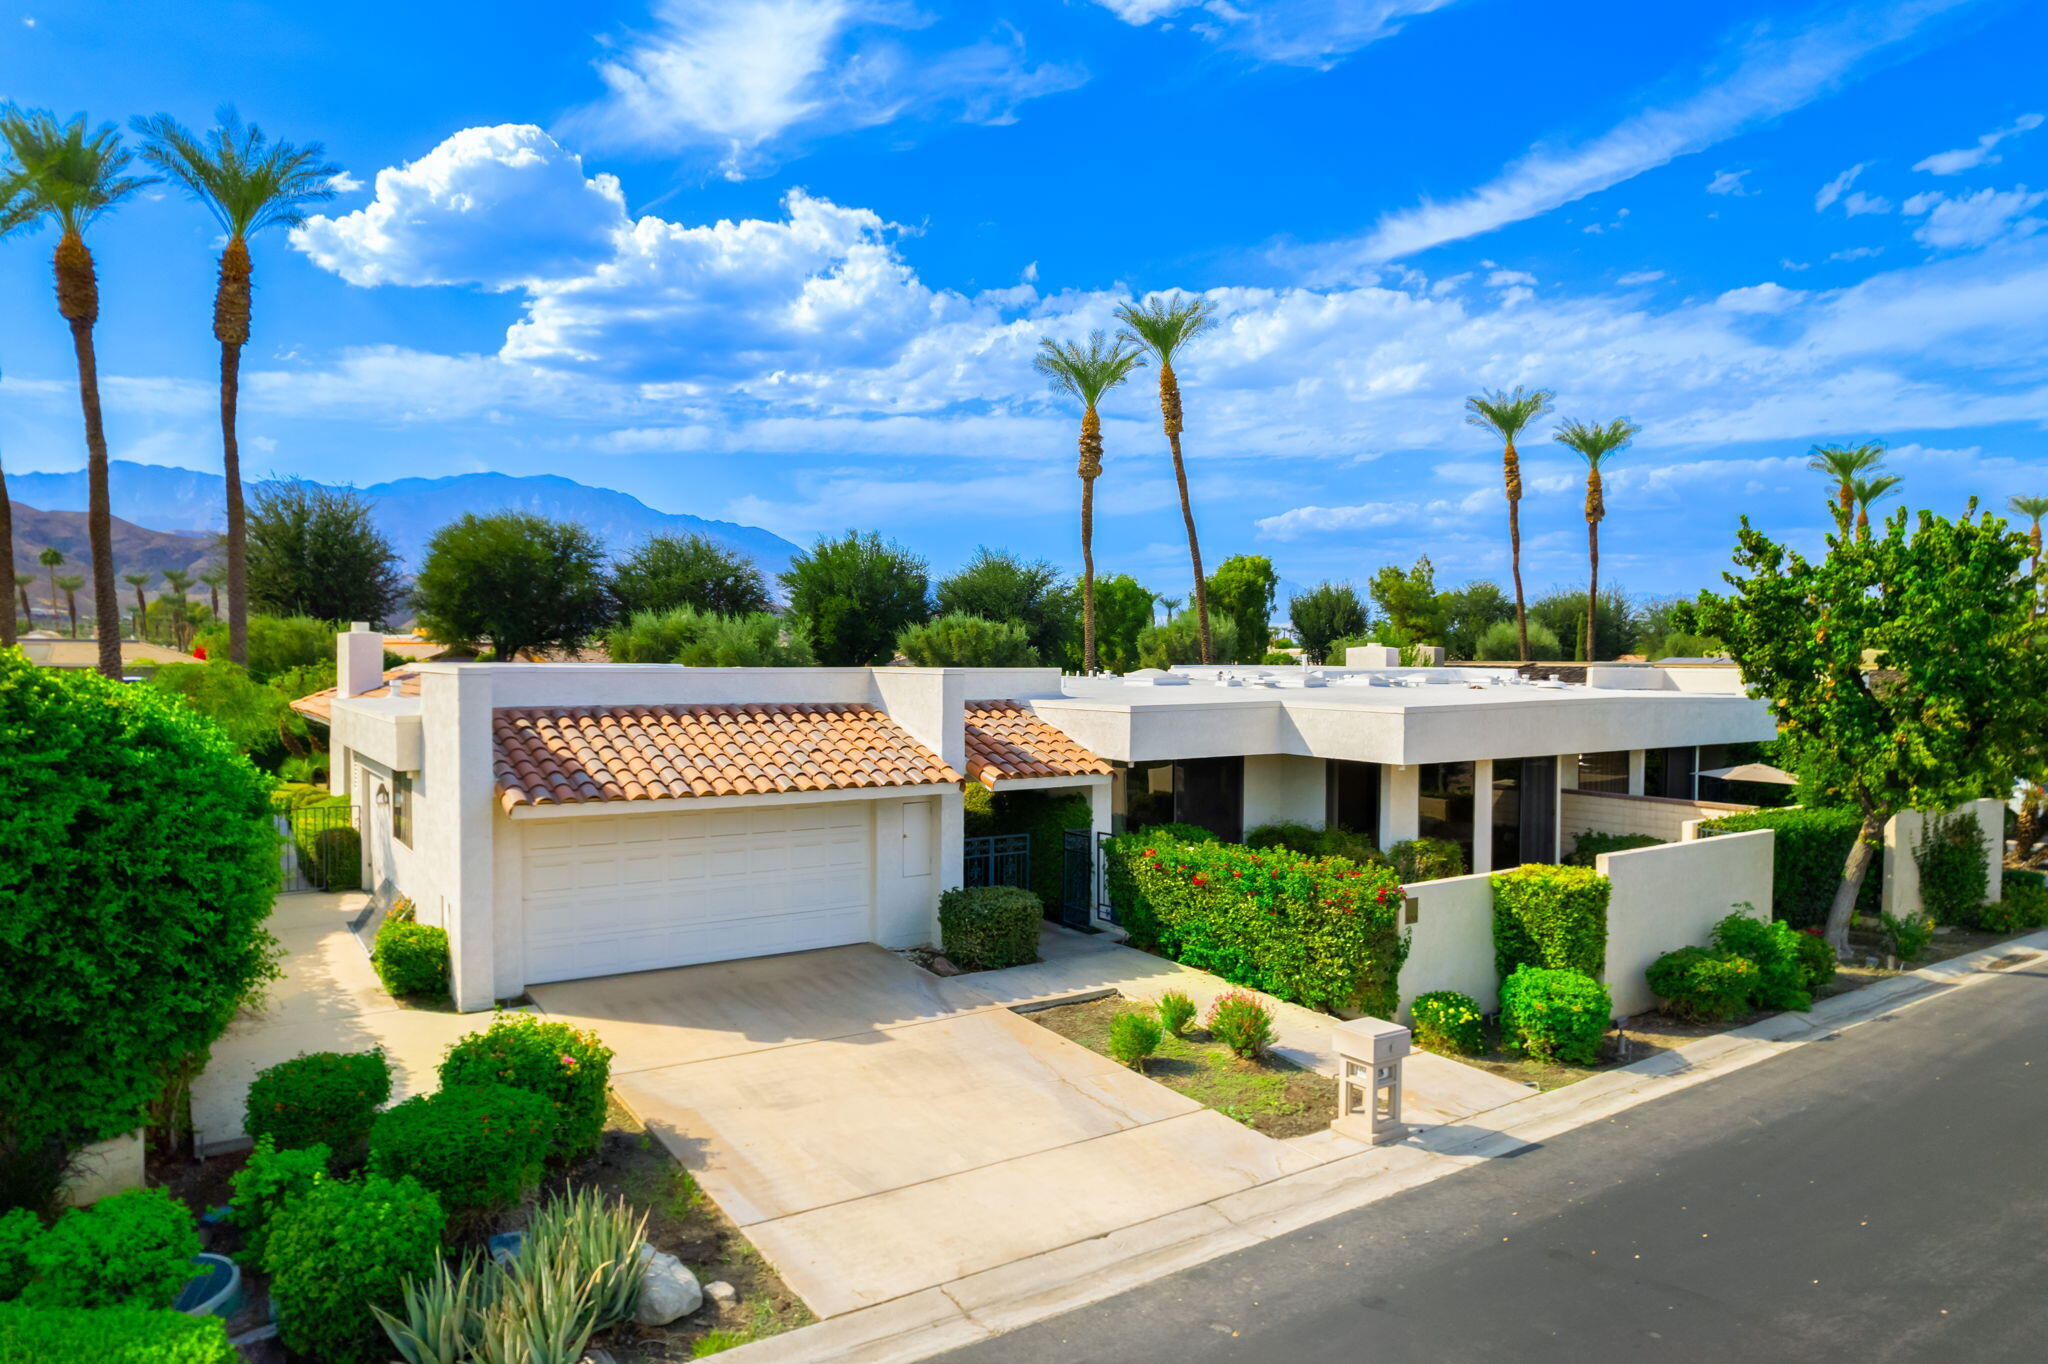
[1370, 1052]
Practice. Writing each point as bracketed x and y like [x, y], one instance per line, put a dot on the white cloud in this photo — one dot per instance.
[1969, 158]
[1768, 297]
[1504, 279]
[1856, 253]
[1729, 182]
[1856, 204]
[1974, 220]
[1299, 522]
[1635, 277]
[341, 182]
[1316, 33]
[1835, 188]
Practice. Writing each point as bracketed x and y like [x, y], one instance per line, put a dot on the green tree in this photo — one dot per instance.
[855, 595]
[7, 579]
[705, 639]
[1411, 611]
[248, 712]
[69, 585]
[1243, 588]
[1325, 613]
[1507, 414]
[1161, 327]
[1501, 641]
[1563, 613]
[997, 585]
[1867, 491]
[60, 173]
[667, 571]
[1844, 463]
[1468, 611]
[520, 582]
[317, 552]
[177, 583]
[1179, 641]
[1086, 374]
[137, 867]
[958, 640]
[1950, 704]
[1124, 608]
[52, 559]
[1595, 444]
[277, 644]
[247, 183]
[2034, 509]
[215, 579]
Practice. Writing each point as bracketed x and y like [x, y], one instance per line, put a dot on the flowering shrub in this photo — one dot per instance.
[1319, 931]
[326, 1097]
[1446, 1021]
[1241, 1023]
[475, 1147]
[571, 1069]
[2022, 905]
[1555, 1015]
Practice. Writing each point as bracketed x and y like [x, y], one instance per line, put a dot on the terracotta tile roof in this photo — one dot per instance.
[1005, 739]
[320, 705]
[568, 755]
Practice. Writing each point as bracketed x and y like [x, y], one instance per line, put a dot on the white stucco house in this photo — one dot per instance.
[565, 820]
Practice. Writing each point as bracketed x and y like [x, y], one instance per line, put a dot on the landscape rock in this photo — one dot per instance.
[667, 1289]
[943, 966]
[720, 1291]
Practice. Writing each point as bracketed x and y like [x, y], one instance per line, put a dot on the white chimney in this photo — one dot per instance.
[359, 659]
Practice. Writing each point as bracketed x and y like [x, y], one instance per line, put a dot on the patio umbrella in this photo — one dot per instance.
[1759, 772]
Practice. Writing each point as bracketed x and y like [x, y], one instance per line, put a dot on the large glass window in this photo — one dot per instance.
[1604, 772]
[1668, 772]
[1148, 795]
[1507, 813]
[1205, 792]
[1355, 798]
[1445, 804]
[401, 807]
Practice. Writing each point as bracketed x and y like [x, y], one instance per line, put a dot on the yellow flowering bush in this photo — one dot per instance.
[1446, 1021]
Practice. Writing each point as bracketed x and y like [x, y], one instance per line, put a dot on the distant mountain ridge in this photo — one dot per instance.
[136, 550]
[409, 510]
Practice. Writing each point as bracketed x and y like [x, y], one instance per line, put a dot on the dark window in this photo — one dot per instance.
[1668, 772]
[1604, 772]
[1507, 813]
[401, 807]
[1537, 796]
[1206, 792]
[1446, 804]
[1148, 795]
[1355, 798]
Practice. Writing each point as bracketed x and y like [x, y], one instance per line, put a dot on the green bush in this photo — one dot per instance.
[1954, 880]
[1552, 917]
[1555, 1015]
[323, 1097]
[1133, 1036]
[411, 958]
[569, 1068]
[1045, 816]
[1172, 832]
[1587, 846]
[130, 1249]
[1703, 986]
[341, 1249]
[271, 1179]
[1448, 1022]
[985, 928]
[19, 1229]
[1240, 1023]
[1322, 932]
[474, 1147]
[1310, 841]
[2023, 905]
[707, 639]
[978, 811]
[331, 857]
[1276, 659]
[1176, 1011]
[110, 1335]
[1811, 848]
[277, 644]
[1500, 643]
[1426, 859]
[1908, 937]
[1179, 640]
[959, 640]
[1816, 957]
[1773, 948]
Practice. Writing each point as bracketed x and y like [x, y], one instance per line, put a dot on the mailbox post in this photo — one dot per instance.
[1369, 1056]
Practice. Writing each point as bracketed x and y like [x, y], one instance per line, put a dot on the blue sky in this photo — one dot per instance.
[786, 261]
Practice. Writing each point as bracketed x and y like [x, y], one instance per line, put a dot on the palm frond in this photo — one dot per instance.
[1163, 324]
[1869, 490]
[1086, 372]
[1595, 441]
[1845, 462]
[1505, 412]
[246, 181]
[57, 172]
[2033, 508]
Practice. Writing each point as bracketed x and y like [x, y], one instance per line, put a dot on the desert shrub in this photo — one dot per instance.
[1773, 948]
[110, 1335]
[130, 1249]
[1552, 917]
[2023, 905]
[1320, 931]
[474, 1147]
[323, 1097]
[19, 1230]
[1133, 1036]
[959, 640]
[1499, 643]
[411, 958]
[1176, 1011]
[1279, 660]
[1587, 846]
[1954, 880]
[1426, 859]
[1241, 1023]
[1908, 937]
[1701, 985]
[1555, 1015]
[985, 928]
[271, 1179]
[1446, 1021]
[1816, 957]
[569, 1068]
[1811, 847]
[341, 1249]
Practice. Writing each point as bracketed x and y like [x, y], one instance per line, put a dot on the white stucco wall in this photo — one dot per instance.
[1900, 895]
[1450, 946]
[1672, 896]
[1280, 787]
[1661, 817]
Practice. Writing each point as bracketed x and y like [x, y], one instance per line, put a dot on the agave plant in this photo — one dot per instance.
[544, 1312]
[444, 1315]
[587, 1235]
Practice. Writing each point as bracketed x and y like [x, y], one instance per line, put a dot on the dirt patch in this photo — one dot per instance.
[1273, 1097]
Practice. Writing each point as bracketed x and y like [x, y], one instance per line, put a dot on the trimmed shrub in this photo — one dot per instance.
[985, 928]
[1446, 1021]
[1954, 881]
[474, 1147]
[1172, 832]
[1587, 846]
[1908, 937]
[963, 641]
[1816, 957]
[1241, 1023]
[131, 1249]
[1310, 841]
[271, 1179]
[110, 1335]
[1133, 1036]
[323, 1097]
[19, 1230]
[341, 1249]
[1811, 848]
[1552, 917]
[411, 957]
[1555, 1015]
[332, 858]
[1426, 859]
[571, 1069]
[1773, 948]
[1045, 816]
[2023, 905]
[1176, 1011]
[1703, 986]
[1322, 932]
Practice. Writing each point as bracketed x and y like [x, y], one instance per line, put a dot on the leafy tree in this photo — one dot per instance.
[177, 583]
[997, 585]
[855, 595]
[1844, 464]
[276, 644]
[1949, 706]
[667, 571]
[1468, 611]
[7, 579]
[1243, 588]
[317, 552]
[1564, 614]
[1086, 374]
[1507, 414]
[1326, 612]
[1595, 444]
[246, 710]
[52, 559]
[520, 582]
[705, 639]
[1161, 327]
[1178, 641]
[137, 865]
[1125, 609]
[1412, 612]
[958, 640]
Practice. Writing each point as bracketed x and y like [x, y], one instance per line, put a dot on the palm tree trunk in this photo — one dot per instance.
[1593, 589]
[1512, 467]
[1170, 410]
[1090, 468]
[71, 605]
[78, 300]
[7, 579]
[231, 327]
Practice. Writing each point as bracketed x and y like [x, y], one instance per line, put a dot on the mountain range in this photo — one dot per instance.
[136, 550]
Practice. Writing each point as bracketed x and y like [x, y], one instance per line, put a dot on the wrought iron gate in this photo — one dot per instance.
[997, 860]
[319, 848]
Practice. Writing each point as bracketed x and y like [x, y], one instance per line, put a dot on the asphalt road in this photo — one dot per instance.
[1879, 1196]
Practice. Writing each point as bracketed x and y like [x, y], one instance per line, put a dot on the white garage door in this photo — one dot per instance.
[617, 893]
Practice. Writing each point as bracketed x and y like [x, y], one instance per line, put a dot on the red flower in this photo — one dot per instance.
[1237, 873]
[1198, 881]
[1150, 853]
[199, 651]
[1380, 895]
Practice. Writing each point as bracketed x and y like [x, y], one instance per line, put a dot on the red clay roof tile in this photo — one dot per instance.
[1005, 739]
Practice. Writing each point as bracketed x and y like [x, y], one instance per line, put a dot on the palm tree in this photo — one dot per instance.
[1595, 444]
[248, 184]
[1161, 327]
[138, 581]
[2033, 508]
[1170, 605]
[1086, 373]
[1843, 463]
[7, 582]
[1505, 414]
[1866, 491]
[64, 174]
[213, 578]
[176, 584]
[51, 558]
[69, 585]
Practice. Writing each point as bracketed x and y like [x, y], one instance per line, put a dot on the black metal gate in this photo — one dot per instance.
[320, 848]
[997, 860]
[1084, 879]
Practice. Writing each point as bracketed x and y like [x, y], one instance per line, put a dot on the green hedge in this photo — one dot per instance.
[1550, 917]
[1812, 846]
[110, 1335]
[331, 858]
[1555, 1015]
[1319, 931]
[1588, 846]
[1044, 815]
[1427, 859]
[985, 928]
[567, 1066]
[1954, 881]
[476, 1148]
[133, 1249]
[325, 1097]
[1312, 841]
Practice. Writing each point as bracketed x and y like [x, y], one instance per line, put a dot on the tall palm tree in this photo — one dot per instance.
[65, 174]
[2033, 508]
[138, 581]
[1161, 327]
[1086, 374]
[1865, 491]
[1506, 414]
[69, 585]
[176, 584]
[51, 558]
[248, 183]
[1595, 443]
[7, 635]
[1843, 463]
[213, 578]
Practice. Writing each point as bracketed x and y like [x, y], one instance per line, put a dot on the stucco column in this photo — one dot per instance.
[1482, 815]
[1400, 803]
[1567, 778]
[1638, 771]
[455, 706]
